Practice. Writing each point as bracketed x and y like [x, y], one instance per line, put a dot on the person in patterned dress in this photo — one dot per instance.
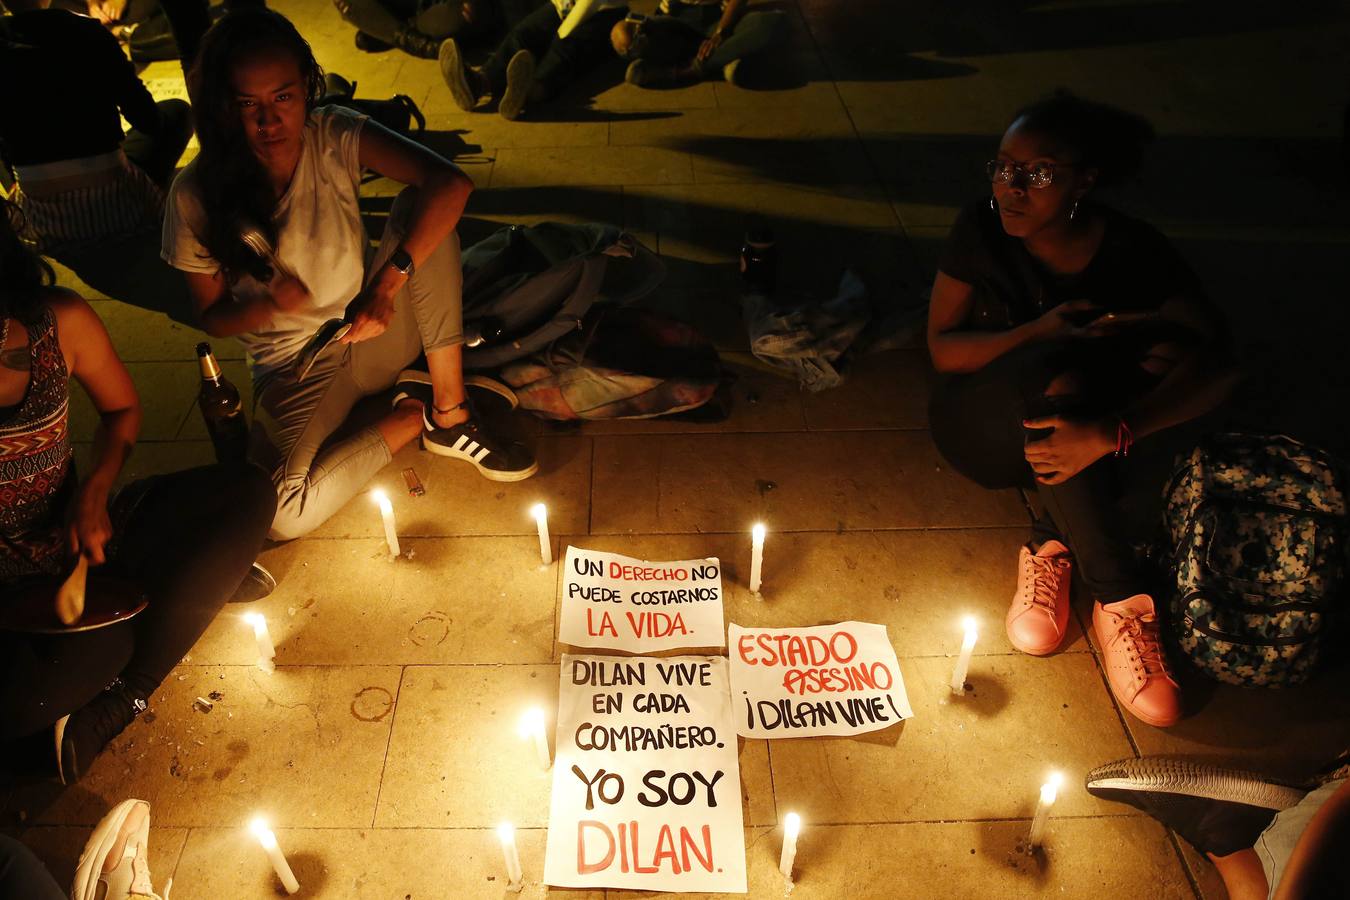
[186, 538]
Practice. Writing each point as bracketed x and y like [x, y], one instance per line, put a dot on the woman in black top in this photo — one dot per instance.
[1067, 332]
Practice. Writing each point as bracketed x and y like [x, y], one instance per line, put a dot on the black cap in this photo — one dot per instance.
[203, 349]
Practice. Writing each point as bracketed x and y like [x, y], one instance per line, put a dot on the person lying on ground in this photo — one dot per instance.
[540, 56]
[414, 26]
[1076, 352]
[1269, 840]
[691, 40]
[273, 165]
[187, 539]
[93, 196]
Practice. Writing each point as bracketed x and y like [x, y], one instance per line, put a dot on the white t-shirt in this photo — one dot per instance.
[319, 235]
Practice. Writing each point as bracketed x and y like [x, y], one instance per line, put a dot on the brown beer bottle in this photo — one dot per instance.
[219, 403]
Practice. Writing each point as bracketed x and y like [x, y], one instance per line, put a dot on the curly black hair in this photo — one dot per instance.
[233, 185]
[23, 273]
[1105, 138]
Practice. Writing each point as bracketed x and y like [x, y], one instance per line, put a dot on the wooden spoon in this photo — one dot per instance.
[70, 595]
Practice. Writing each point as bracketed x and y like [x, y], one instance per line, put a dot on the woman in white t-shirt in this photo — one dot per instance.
[273, 164]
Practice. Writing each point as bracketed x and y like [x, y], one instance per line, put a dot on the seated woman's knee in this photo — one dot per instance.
[288, 519]
[1162, 358]
[1064, 385]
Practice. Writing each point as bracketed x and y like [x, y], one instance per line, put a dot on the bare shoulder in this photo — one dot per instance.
[78, 327]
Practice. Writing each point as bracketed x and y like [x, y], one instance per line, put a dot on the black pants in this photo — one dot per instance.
[22, 875]
[976, 422]
[158, 154]
[560, 61]
[189, 539]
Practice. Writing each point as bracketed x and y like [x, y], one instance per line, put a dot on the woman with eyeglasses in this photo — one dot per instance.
[1072, 341]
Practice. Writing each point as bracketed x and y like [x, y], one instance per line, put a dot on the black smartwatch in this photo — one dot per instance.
[402, 260]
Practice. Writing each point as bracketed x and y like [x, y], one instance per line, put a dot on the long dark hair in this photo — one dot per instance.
[234, 187]
[1106, 138]
[23, 273]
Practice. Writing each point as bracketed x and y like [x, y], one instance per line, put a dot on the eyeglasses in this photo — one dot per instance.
[1038, 175]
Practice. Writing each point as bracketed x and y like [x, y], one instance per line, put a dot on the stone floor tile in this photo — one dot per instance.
[459, 501]
[535, 166]
[344, 602]
[624, 101]
[963, 859]
[760, 401]
[455, 759]
[303, 745]
[140, 335]
[885, 390]
[819, 233]
[1236, 725]
[59, 848]
[494, 131]
[919, 584]
[167, 390]
[978, 757]
[810, 482]
[813, 93]
[747, 123]
[366, 864]
[334, 604]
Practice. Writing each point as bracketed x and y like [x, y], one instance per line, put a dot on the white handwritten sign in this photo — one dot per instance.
[646, 784]
[619, 603]
[825, 680]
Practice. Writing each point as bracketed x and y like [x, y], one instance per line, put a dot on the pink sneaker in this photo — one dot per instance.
[1040, 608]
[1136, 669]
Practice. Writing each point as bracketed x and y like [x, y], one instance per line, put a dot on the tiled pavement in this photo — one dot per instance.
[380, 747]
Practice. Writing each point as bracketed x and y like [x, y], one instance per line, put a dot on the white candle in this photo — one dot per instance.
[756, 556]
[963, 661]
[387, 514]
[279, 864]
[532, 726]
[266, 651]
[792, 825]
[540, 513]
[507, 835]
[1049, 791]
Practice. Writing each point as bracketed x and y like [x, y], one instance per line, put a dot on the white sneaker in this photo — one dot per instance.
[113, 865]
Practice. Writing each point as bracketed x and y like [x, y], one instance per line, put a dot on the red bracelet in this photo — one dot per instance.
[1124, 438]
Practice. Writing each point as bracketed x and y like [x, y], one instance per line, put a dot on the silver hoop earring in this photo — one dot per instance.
[992, 204]
[1073, 211]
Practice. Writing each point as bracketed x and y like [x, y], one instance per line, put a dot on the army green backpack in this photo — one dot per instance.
[1258, 525]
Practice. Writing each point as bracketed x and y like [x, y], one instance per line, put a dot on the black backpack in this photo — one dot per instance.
[536, 283]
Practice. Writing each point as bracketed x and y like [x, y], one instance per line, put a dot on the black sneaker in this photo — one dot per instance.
[416, 384]
[1217, 810]
[369, 43]
[83, 734]
[257, 584]
[495, 460]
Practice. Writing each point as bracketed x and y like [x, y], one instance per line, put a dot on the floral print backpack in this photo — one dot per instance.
[1257, 526]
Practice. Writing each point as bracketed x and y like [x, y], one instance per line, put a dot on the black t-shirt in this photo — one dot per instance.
[64, 80]
[1134, 269]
